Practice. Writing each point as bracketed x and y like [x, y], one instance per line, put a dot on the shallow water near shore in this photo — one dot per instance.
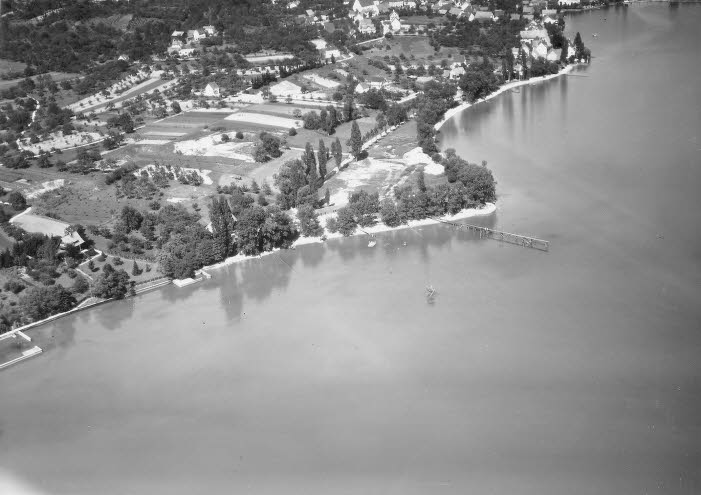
[326, 370]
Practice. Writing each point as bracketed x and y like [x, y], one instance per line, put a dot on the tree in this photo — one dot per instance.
[346, 221]
[80, 285]
[337, 152]
[349, 110]
[111, 284]
[135, 270]
[563, 53]
[327, 197]
[389, 214]
[421, 181]
[113, 140]
[308, 158]
[309, 221]
[289, 180]
[364, 206]
[131, 218]
[17, 200]
[41, 302]
[255, 188]
[265, 189]
[175, 106]
[222, 228]
[322, 158]
[356, 141]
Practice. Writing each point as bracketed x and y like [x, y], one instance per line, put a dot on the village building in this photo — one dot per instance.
[568, 3]
[549, 12]
[366, 26]
[329, 27]
[319, 43]
[539, 50]
[195, 35]
[211, 90]
[366, 7]
[293, 5]
[362, 88]
[515, 17]
[456, 11]
[528, 9]
[483, 16]
[209, 30]
[554, 55]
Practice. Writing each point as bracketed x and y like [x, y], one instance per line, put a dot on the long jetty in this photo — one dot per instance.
[497, 235]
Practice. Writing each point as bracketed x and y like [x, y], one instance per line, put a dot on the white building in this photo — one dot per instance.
[319, 43]
[211, 90]
[568, 3]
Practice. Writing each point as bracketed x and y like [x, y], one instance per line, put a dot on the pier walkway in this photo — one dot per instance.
[497, 235]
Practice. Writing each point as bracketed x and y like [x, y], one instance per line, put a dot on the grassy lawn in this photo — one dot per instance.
[126, 265]
[11, 66]
[396, 143]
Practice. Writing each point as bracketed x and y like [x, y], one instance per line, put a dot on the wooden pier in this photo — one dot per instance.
[485, 233]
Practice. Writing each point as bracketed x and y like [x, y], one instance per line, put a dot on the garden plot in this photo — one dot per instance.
[257, 118]
[204, 174]
[59, 141]
[214, 146]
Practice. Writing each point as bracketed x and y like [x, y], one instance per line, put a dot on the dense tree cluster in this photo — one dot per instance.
[479, 81]
[436, 99]
[267, 147]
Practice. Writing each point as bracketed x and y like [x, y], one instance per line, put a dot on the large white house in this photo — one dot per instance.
[211, 90]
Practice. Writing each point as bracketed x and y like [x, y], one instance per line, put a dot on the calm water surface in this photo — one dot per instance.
[574, 371]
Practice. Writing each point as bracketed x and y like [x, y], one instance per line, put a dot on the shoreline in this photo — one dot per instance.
[452, 112]
[487, 209]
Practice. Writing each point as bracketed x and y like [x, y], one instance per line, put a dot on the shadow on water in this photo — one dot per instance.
[260, 277]
[112, 314]
[230, 292]
[311, 254]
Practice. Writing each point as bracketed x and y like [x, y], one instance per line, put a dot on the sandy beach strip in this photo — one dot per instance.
[506, 87]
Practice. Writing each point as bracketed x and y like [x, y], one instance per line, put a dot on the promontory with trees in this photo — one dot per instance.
[234, 185]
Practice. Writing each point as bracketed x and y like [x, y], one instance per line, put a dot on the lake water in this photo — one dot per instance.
[325, 370]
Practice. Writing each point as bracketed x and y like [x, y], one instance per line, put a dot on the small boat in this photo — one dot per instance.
[372, 243]
[595, 35]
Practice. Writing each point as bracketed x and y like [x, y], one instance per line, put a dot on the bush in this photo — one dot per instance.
[14, 286]
[239, 135]
[292, 131]
[118, 261]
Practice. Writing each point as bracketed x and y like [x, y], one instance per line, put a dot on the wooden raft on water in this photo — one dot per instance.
[484, 232]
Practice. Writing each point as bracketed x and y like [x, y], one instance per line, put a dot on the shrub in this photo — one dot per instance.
[292, 131]
[239, 135]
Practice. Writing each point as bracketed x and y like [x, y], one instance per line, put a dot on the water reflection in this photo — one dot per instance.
[311, 254]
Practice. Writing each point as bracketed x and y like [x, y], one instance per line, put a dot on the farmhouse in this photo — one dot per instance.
[212, 89]
[285, 88]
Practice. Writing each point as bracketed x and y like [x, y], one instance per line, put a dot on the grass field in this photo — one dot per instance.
[56, 76]
[11, 66]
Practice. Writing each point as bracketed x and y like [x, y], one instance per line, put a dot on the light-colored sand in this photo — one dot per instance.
[258, 118]
[47, 186]
[361, 174]
[418, 157]
[213, 146]
[147, 141]
[322, 81]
